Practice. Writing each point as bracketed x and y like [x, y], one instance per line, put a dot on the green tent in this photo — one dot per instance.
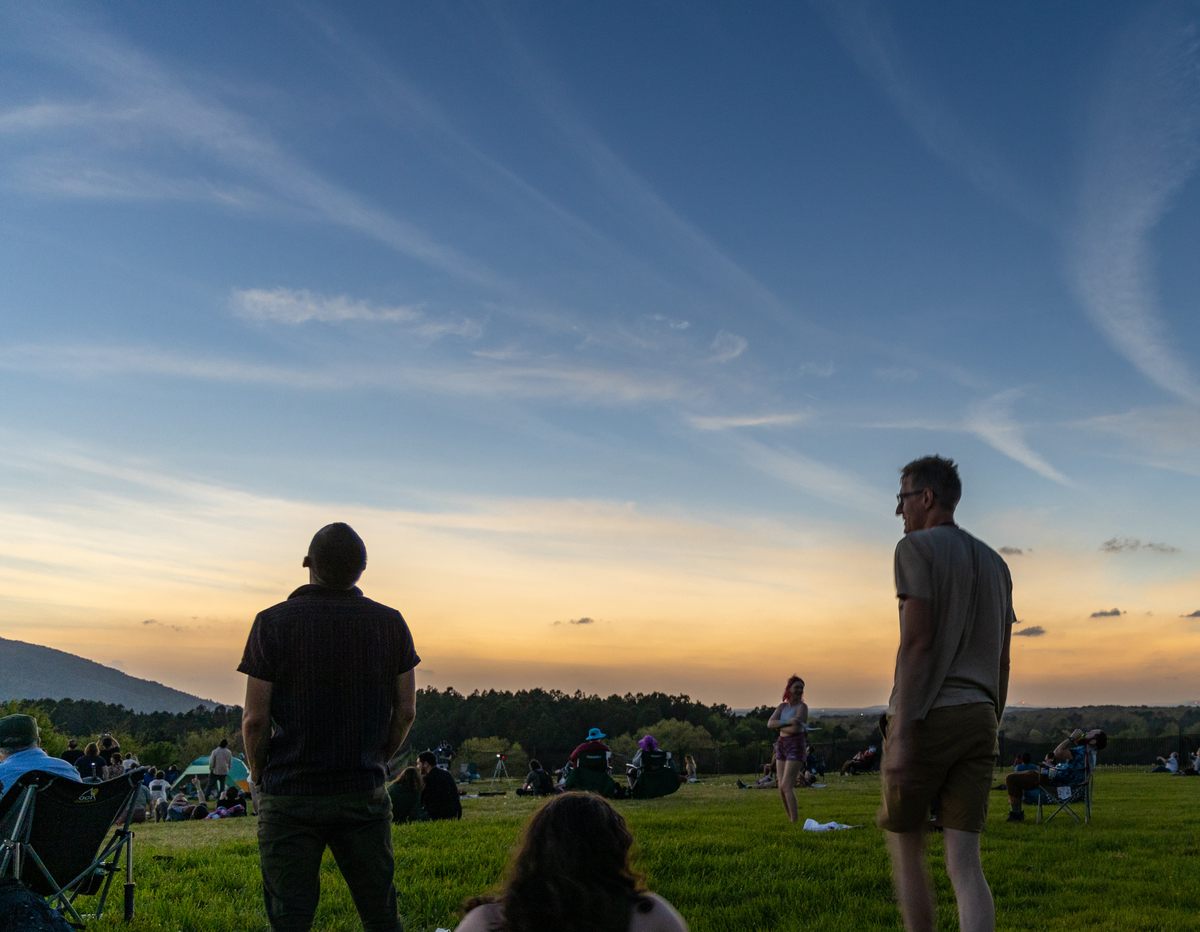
[239, 773]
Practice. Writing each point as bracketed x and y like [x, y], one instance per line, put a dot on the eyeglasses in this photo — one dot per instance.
[901, 496]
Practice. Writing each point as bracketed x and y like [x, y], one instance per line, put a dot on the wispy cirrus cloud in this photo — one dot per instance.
[735, 421]
[992, 421]
[584, 620]
[1011, 551]
[728, 346]
[135, 93]
[1033, 631]
[1108, 613]
[548, 379]
[810, 475]
[300, 306]
[865, 29]
[1142, 147]
[1132, 545]
[1164, 437]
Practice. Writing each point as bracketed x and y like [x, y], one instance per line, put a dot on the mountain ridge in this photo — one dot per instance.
[31, 669]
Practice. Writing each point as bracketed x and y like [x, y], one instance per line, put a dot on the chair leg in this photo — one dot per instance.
[129, 885]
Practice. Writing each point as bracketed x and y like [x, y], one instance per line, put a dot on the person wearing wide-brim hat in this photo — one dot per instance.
[593, 742]
[20, 752]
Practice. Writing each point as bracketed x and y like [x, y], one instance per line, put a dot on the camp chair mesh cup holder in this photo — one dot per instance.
[1048, 797]
[53, 828]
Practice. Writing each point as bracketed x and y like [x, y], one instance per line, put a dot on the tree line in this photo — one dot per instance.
[548, 722]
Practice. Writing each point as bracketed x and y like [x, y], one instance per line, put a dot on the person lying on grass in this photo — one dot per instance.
[572, 868]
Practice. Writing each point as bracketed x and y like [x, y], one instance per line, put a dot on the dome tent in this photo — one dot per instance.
[239, 773]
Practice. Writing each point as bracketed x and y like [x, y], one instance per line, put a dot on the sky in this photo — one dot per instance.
[608, 326]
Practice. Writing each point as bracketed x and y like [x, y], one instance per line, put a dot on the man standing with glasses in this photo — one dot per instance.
[949, 692]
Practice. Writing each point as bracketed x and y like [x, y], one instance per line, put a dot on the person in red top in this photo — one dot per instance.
[594, 742]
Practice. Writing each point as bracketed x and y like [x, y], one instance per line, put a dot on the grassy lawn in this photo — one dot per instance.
[729, 860]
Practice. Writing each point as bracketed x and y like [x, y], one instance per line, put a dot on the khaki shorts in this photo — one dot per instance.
[953, 760]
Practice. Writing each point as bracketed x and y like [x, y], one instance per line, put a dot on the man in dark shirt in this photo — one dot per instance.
[440, 794]
[330, 696]
[72, 754]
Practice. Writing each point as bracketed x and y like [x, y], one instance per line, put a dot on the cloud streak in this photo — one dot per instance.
[300, 306]
[1033, 631]
[865, 29]
[1107, 613]
[992, 422]
[1132, 545]
[1143, 145]
[550, 380]
[150, 100]
[736, 422]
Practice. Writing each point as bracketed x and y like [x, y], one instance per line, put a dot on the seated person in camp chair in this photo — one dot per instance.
[20, 753]
[1070, 769]
[865, 761]
[587, 768]
[652, 772]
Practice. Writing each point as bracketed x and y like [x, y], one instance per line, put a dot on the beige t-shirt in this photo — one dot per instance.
[938, 566]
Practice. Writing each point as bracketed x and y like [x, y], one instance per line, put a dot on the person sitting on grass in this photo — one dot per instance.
[440, 793]
[116, 766]
[232, 799]
[537, 781]
[573, 865]
[1070, 768]
[405, 794]
[1168, 764]
[159, 788]
[766, 780]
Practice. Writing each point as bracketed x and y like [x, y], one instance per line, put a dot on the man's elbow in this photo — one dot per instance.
[253, 725]
[406, 714]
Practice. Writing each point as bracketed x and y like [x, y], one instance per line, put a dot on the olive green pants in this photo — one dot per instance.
[293, 833]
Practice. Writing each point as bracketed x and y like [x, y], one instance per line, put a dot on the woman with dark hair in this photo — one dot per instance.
[405, 793]
[792, 747]
[572, 871]
[91, 765]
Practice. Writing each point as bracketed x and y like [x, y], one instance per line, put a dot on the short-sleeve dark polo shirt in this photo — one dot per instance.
[332, 657]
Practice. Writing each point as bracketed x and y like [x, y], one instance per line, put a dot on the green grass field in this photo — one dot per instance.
[729, 860]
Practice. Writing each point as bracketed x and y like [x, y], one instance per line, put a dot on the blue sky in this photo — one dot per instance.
[623, 312]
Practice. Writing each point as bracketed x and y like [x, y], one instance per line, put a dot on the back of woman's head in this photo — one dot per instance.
[91, 750]
[573, 862]
[410, 779]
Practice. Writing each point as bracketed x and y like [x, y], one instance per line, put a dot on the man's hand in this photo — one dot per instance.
[898, 756]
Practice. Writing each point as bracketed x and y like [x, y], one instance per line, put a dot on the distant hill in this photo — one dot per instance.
[34, 672]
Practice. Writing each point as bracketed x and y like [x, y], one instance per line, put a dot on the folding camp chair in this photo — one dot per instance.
[658, 776]
[55, 828]
[1064, 798]
[591, 774]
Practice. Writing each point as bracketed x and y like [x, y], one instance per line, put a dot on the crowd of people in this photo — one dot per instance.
[325, 741]
[102, 760]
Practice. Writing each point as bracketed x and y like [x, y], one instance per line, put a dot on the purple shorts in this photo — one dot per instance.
[791, 747]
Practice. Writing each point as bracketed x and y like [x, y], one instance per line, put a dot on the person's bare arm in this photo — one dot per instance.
[1005, 664]
[256, 725]
[404, 712]
[913, 665]
[773, 721]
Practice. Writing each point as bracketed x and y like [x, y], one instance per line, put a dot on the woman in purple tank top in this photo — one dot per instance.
[792, 747]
